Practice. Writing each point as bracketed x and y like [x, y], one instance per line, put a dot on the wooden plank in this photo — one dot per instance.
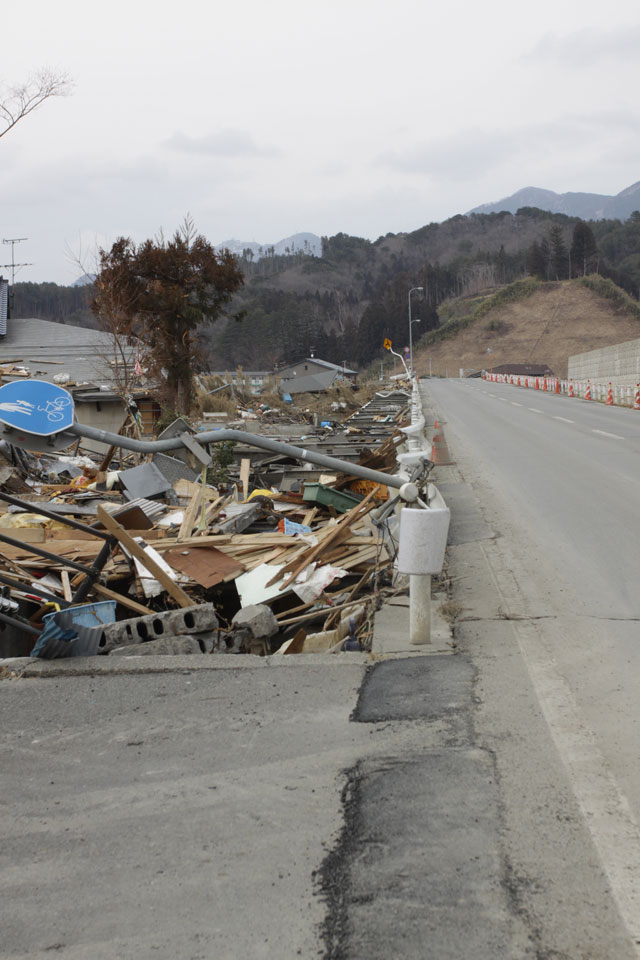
[185, 489]
[122, 598]
[338, 534]
[26, 534]
[309, 516]
[245, 467]
[66, 586]
[137, 551]
[189, 519]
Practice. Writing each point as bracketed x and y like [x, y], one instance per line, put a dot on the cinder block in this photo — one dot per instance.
[166, 646]
[200, 618]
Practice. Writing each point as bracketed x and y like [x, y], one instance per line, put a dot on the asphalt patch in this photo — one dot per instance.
[417, 871]
[416, 688]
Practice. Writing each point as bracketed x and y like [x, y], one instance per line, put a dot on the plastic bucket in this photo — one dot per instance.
[90, 614]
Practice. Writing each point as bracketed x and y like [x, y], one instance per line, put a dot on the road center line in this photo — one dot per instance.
[564, 419]
[514, 404]
[534, 410]
[603, 433]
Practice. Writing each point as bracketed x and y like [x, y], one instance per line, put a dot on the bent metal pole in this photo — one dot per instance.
[253, 440]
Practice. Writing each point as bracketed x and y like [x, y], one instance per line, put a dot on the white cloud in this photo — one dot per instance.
[228, 143]
[589, 46]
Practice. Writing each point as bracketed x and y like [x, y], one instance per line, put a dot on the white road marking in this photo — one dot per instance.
[603, 433]
[514, 404]
[534, 410]
[492, 394]
[564, 419]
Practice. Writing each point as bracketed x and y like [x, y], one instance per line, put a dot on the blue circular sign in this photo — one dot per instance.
[36, 406]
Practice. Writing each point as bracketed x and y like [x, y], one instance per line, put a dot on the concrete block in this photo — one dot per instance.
[200, 618]
[166, 646]
[259, 619]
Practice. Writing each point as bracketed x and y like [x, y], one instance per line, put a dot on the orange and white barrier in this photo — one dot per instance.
[625, 394]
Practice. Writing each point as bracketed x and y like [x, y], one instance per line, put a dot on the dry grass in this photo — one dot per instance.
[555, 322]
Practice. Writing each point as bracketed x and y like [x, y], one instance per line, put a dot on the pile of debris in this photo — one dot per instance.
[138, 560]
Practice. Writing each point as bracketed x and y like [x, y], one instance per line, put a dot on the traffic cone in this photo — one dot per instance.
[537, 384]
[587, 395]
[544, 384]
[519, 384]
[557, 389]
[609, 396]
[636, 399]
[571, 393]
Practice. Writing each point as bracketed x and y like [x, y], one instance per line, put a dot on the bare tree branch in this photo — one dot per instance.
[19, 101]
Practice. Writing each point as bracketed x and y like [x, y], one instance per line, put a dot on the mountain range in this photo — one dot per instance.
[308, 243]
[587, 206]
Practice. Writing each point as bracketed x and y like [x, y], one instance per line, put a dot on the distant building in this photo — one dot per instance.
[520, 370]
[78, 359]
[312, 375]
[255, 378]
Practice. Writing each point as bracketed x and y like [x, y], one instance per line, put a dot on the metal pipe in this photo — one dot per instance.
[239, 436]
[95, 571]
[18, 623]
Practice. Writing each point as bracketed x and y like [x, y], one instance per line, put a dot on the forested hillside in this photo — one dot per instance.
[50, 301]
[345, 302]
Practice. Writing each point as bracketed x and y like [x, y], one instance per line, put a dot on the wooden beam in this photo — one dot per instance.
[121, 535]
[126, 601]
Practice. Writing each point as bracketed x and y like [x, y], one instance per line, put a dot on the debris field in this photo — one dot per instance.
[119, 554]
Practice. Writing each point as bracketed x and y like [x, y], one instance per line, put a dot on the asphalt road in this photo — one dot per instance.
[570, 470]
[478, 805]
[558, 481]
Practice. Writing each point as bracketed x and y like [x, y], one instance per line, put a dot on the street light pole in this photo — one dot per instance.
[412, 290]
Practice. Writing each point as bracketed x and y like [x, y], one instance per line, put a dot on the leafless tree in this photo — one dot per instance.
[20, 100]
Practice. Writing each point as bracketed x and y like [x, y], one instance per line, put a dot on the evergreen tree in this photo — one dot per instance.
[559, 261]
[536, 263]
[584, 250]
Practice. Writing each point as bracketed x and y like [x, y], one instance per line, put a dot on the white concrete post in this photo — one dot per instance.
[419, 608]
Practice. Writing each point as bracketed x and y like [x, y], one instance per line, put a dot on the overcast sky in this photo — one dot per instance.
[264, 119]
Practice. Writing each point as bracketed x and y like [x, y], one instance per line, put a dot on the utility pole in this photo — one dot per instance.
[13, 263]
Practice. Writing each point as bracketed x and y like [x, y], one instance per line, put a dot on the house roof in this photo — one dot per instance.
[314, 383]
[322, 363]
[46, 348]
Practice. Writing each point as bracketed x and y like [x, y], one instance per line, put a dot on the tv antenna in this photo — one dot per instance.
[13, 263]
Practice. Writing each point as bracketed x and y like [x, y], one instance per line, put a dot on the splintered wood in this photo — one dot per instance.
[318, 568]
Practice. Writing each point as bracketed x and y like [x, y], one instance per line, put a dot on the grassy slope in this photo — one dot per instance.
[545, 323]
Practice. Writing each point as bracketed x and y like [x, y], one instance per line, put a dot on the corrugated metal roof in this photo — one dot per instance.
[48, 348]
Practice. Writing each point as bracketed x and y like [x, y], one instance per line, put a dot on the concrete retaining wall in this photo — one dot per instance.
[619, 364]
